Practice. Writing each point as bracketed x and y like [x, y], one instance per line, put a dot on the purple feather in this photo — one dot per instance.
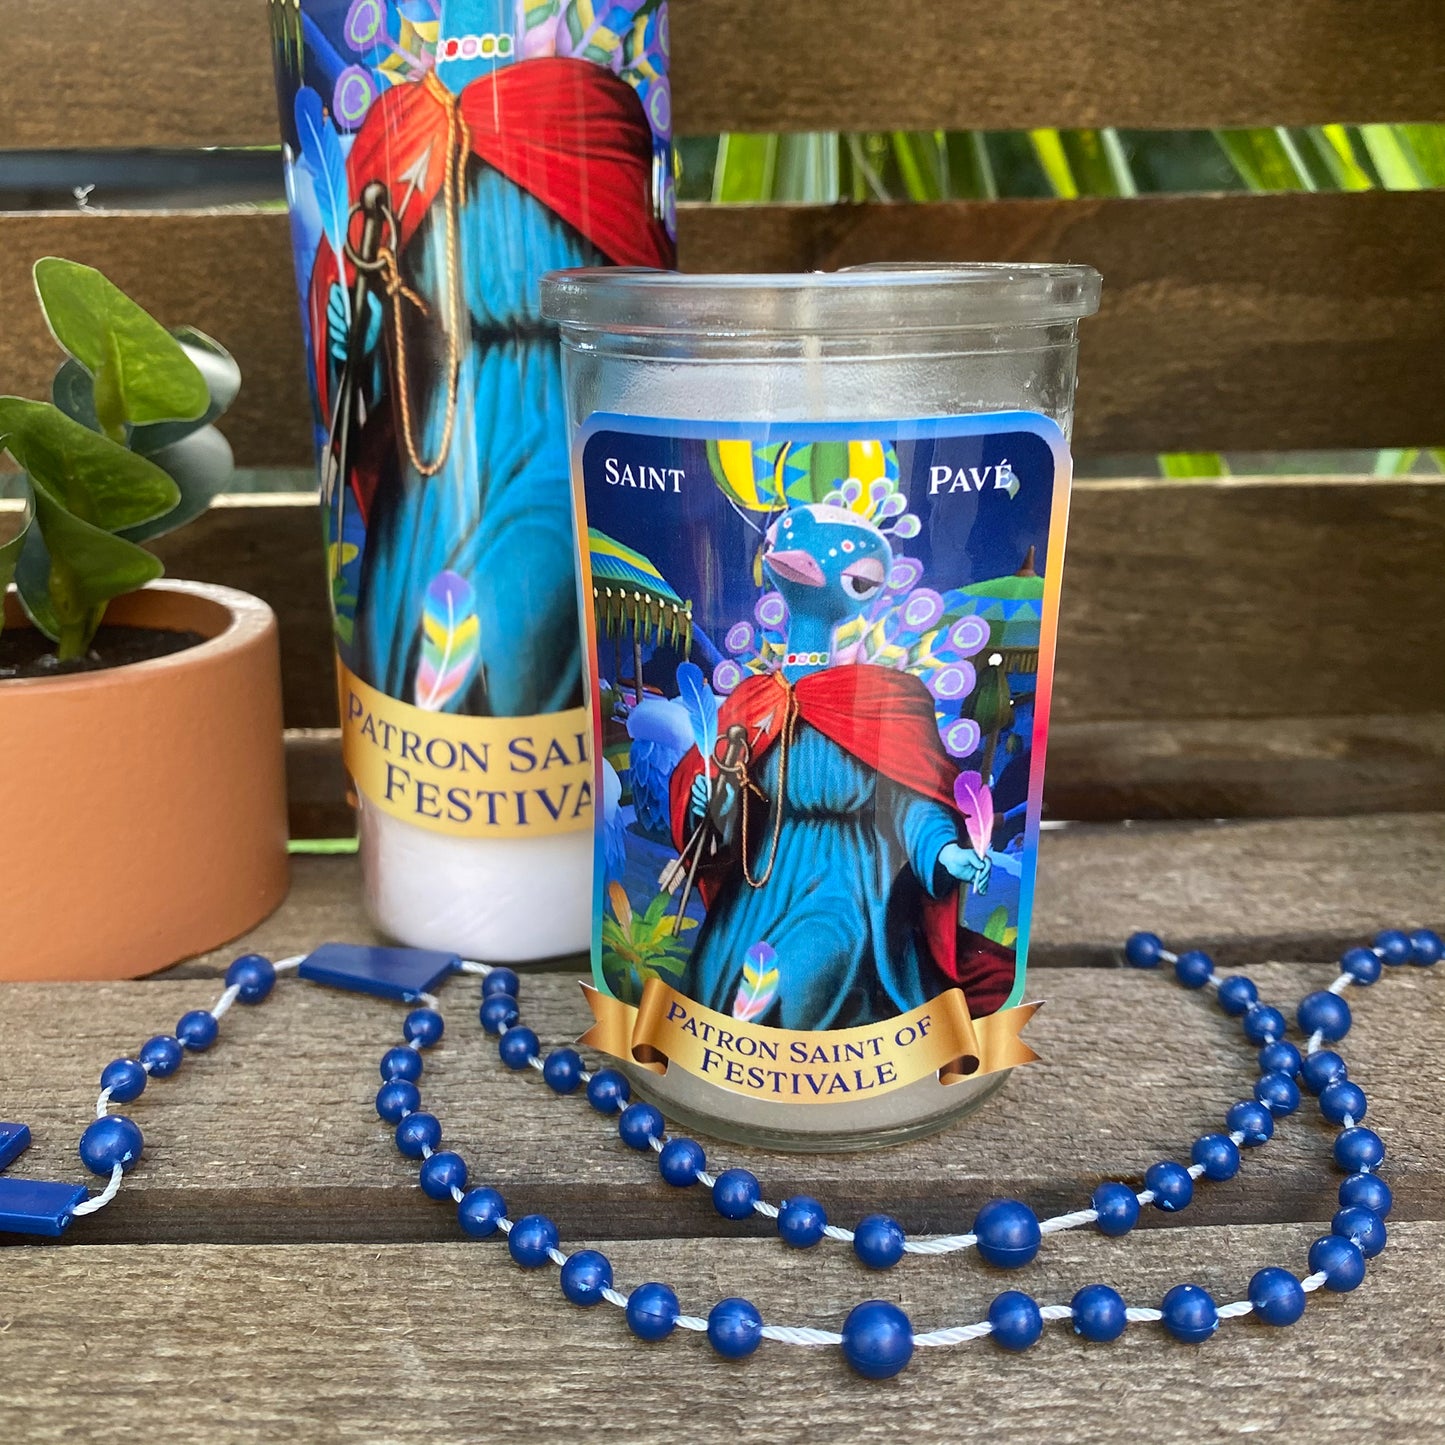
[975, 802]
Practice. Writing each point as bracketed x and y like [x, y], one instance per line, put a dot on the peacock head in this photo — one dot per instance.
[828, 562]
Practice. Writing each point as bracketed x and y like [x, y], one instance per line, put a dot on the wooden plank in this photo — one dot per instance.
[417, 1343]
[192, 73]
[1113, 771]
[1231, 323]
[1285, 888]
[272, 1136]
[1253, 601]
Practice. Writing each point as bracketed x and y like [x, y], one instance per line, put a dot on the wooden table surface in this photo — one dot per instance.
[271, 1269]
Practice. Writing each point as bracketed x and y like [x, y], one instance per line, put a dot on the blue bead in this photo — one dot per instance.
[1358, 1149]
[197, 1030]
[562, 1069]
[1173, 1188]
[401, 1063]
[417, 1133]
[1194, 969]
[1189, 1313]
[423, 1027]
[1322, 1068]
[125, 1079]
[1343, 1100]
[1252, 1120]
[734, 1193]
[1280, 1057]
[501, 981]
[1362, 965]
[1426, 947]
[1394, 945]
[585, 1275]
[442, 1173]
[679, 1162]
[1278, 1093]
[1143, 950]
[878, 1241]
[734, 1328]
[396, 1099]
[639, 1124]
[652, 1311]
[1236, 995]
[801, 1221]
[1362, 1227]
[877, 1339]
[1008, 1233]
[531, 1239]
[111, 1141]
[163, 1053]
[1276, 1296]
[517, 1047]
[498, 1013]
[1324, 1013]
[608, 1091]
[253, 976]
[1263, 1025]
[1340, 1261]
[1218, 1154]
[1366, 1191]
[1117, 1207]
[478, 1212]
[1099, 1313]
[1016, 1320]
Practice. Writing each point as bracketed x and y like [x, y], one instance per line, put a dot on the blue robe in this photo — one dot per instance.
[839, 907]
[499, 512]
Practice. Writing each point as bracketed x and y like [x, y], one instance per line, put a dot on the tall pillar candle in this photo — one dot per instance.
[440, 156]
[822, 522]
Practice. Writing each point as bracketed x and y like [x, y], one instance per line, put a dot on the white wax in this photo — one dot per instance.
[498, 900]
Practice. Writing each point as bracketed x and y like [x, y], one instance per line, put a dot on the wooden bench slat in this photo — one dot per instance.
[417, 1343]
[273, 1137]
[1229, 323]
[1236, 600]
[192, 73]
[1285, 888]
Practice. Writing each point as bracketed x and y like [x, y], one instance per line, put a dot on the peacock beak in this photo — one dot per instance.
[795, 566]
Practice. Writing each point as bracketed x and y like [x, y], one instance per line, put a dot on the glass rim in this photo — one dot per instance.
[883, 297]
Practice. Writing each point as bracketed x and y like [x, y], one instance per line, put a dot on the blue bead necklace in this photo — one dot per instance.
[877, 1338]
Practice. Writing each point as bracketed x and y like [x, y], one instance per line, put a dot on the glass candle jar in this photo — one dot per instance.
[823, 523]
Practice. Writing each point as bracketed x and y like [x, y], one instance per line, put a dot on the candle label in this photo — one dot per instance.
[822, 657]
[439, 157]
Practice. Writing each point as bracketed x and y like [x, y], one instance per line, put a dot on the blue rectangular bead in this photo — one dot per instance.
[14, 1141]
[400, 973]
[31, 1206]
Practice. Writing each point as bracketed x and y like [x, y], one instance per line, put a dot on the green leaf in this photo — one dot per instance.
[1426, 145]
[1267, 159]
[142, 374]
[200, 465]
[1392, 158]
[1049, 148]
[1335, 147]
[88, 566]
[921, 162]
[807, 168]
[1097, 162]
[970, 167]
[10, 553]
[95, 478]
[1185, 465]
[1396, 461]
[745, 168]
[73, 391]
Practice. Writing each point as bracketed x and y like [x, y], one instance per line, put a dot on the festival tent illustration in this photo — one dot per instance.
[632, 598]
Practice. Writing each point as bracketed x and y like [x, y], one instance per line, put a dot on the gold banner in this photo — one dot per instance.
[827, 1067]
[471, 777]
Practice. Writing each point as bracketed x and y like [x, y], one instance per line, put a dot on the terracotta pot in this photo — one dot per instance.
[143, 808]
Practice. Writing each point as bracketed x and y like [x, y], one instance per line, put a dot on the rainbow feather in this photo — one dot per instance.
[702, 710]
[760, 983]
[449, 644]
[975, 802]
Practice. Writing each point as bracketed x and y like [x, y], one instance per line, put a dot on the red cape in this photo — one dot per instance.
[566, 131]
[884, 719]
